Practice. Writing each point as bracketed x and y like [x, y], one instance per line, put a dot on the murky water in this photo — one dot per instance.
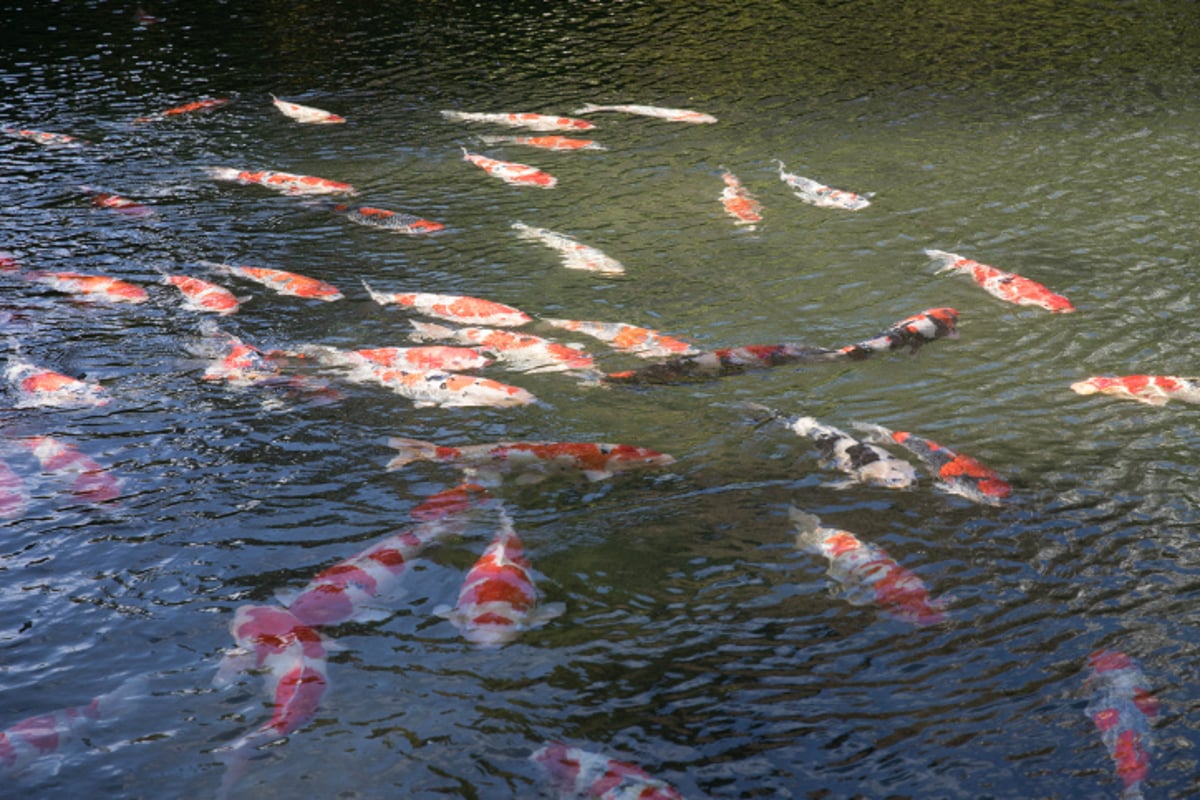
[697, 641]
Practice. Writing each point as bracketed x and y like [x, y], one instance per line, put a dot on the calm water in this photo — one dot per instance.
[697, 642]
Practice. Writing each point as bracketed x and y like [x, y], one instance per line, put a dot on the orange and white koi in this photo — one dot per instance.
[520, 351]
[912, 332]
[861, 461]
[511, 171]
[447, 389]
[643, 342]
[1005, 285]
[955, 473]
[40, 387]
[45, 138]
[429, 358]
[91, 287]
[454, 308]
[242, 365]
[867, 574]
[575, 255]
[738, 202]
[531, 461]
[536, 122]
[1122, 708]
[13, 495]
[285, 182]
[307, 114]
[546, 142]
[186, 108]
[119, 204]
[201, 295]
[669, 114]
[92, 483]
[35, 746]
[286, 283]
[1154, 390]
[498, 599]
[393, 221]
[578, 774]
[818, 194]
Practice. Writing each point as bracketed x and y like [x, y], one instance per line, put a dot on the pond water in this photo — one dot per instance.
[1057, 142]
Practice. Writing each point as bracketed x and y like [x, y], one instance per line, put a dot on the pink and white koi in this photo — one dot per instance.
[738, 202]
[393, 221]
[1005, 285]
[306, 114]
[578, 774]
[954, 473]
[40, 387]
[186, 108]
[861, 461]
[454, 308]
[866, 573]
[535, 122]
[818, 194]
[283, 282]
[520, 351]
[1122, 708]
[575, 255]
[14, 497]
[642, 342]
[92, 483]
[1154, 390]
[531, 461]
[669, 114]
[511, 171]
[546, 142]
[285, 182]
[201, 295]
[434, 357]
[91, 287]
[498, 599]
[45, 138]
[446, 389]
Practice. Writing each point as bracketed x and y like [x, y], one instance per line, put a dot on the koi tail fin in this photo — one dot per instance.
[117, 702]
[944, 260]
[379, 297]
[808, 529]
[429, 332]
[410, 450]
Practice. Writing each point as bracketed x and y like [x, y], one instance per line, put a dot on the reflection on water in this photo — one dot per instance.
[697, 641]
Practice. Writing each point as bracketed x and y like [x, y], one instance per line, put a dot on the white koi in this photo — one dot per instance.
[669, 114]
[575, 255]
[306, 114]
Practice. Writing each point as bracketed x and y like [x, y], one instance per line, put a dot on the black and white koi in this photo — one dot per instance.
[861, 461]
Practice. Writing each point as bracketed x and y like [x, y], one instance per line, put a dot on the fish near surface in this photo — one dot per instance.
[722, 362]
[453, 308]
[1122, 708]
[575, 254]
[393, 221]
[658, 112]
[861, 461]
[577, 774]
[535, 122]
[45, 138]
[954, 473]
[92, 483]
[285, 182]
[426, 358]
[446, 389]
[1153, 390]
[1005, 285]
[822, 196]
[187, 108]
[738, 202]
[283, 282]
[546, 142]
[911, 332]
[91, 287]
[511, 171]
[521, 351]
[638, 341]
[306, 114]
[202, 295]
[40, 387]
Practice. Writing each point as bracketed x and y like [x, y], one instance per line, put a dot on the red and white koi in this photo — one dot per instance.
[447, 389]
[201, 295]
[187, 108]
[40, 387]
[498, 599]
[738, 202]
[14, 497]
[1122, 708]
[511, 171]
[92, 483]
[861, 461]
[393, 221]
[575, 255]
[242, 365]
[911, 332]
[531, 461]
[818, 194]
[578, 774]
[308, 114]
[1154, 390]
[955, 473]
[642, 342]
[669, 114]
[535, 122]
[283, 282]
[1005, 285]
[546, 142]
[867, 574]
[45, 138]
[520, 351]
[454, 308]
[119, 204]
[285, 182]
[427, 359]
[91, 287]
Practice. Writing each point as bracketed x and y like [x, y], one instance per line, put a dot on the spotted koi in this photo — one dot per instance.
[40, 387]
[536, 122]
[577, 774]
[1154, 390]
[955, 473]
[818, 194]
[285, 182]
[306, 114]
[546, 142]
[669, 114]
[511, 171]
[454, 308]
[92, 483]
[575, 255]
[1122, 708]
[393, 221]
[520, 351]
[186, 108]
[286, 283]
[738, 202]
[642, 342]
[1005, 285]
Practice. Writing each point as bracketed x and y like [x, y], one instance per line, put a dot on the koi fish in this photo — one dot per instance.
[45, 138]
[284, 182]
[34, 746]
[546, 142]
[242, 365]
[1122, 709]
[722, 362]
[1005, 285]
[521, 351]
[955, 473]
[536, 122]
[283, 282]
[669, 114]
[738, 202]
[91, 287]
[40, 387]
[454, 308]
[392, 221]
[581, 775]
[498, 599]
[117, 203]
[861, 461]
[531, 461]
[436, 357]
[186, 108]
[13, 496]
[911, 332]
[92, 482]
[1154, 390]
[643, 342]
[447, 389]
[9, 261]
[818, 194]
[306, 113]
[200, 295]
[575, 255]
[511, 171]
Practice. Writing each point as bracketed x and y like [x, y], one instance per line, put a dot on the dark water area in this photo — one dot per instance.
[1055, 140]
